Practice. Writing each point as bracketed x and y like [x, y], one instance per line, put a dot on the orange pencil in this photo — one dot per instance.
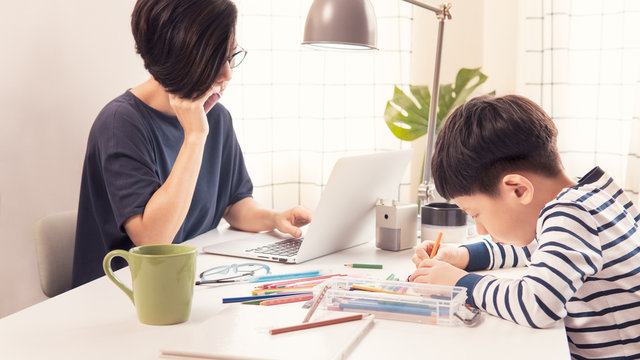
[436, 246]
[286, 300]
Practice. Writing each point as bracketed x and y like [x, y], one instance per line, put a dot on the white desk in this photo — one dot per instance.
[97, 321]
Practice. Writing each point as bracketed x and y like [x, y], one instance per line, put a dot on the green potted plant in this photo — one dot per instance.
[408, 116]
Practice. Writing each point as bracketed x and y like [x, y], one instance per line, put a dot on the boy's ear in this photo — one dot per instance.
[519, 188]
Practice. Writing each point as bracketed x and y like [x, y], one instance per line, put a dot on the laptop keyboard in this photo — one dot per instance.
[288, 247]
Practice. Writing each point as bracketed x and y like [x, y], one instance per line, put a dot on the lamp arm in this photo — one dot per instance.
[441, 11]
[426, 190]
[424, 6]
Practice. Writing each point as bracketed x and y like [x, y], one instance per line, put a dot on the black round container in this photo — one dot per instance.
[443, 214]
[443, 217]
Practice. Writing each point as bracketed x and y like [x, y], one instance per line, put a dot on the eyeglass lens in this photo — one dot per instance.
[246, 269]
[238, 56]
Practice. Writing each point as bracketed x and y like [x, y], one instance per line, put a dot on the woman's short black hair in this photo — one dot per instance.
[184, 43]
[488, 137]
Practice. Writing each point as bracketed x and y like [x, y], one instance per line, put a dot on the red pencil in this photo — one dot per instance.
[285, 282]
[316, 324]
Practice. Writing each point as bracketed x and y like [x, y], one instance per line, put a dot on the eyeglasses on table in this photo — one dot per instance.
[237, 272]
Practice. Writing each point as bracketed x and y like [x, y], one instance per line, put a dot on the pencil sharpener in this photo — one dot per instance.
[396, 225]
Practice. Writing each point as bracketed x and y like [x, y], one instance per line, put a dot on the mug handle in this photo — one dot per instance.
[106, 265]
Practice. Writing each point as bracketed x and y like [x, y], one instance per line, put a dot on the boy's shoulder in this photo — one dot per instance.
[590, 189]
[596, 195]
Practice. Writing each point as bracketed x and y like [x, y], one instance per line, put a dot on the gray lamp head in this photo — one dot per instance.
[341, 24]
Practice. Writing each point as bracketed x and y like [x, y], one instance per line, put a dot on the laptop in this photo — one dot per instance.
[345, 216]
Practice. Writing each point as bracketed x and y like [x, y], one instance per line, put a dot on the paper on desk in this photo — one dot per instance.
[242, 331]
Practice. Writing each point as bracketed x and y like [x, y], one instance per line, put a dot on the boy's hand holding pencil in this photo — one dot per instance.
[436, 265]
[452, 254]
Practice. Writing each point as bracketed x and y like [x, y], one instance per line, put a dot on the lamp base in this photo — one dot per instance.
[426, 193]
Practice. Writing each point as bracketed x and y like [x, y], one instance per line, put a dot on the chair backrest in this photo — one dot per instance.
[55, 241]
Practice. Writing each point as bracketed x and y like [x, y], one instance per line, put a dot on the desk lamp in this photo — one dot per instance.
[351, 25]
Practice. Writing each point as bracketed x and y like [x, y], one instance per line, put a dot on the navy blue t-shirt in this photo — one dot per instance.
[130, 153]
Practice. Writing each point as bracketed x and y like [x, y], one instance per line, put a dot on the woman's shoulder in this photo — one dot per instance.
[123, 105]
[121, 116]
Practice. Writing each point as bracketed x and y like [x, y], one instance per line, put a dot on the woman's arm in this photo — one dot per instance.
[168, 206]
[248, 215]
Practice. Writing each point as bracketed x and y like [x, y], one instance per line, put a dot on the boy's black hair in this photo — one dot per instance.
[184, 43]
[488, 137]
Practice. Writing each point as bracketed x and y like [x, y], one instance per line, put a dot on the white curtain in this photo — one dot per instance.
[581, 63]
[297, 110]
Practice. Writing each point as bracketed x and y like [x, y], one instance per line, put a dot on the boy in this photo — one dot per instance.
[496, 158]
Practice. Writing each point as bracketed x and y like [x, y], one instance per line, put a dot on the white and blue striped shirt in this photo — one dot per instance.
[583, 266]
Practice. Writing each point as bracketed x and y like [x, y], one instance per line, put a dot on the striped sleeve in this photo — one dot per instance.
[563, 261]
[486, 255]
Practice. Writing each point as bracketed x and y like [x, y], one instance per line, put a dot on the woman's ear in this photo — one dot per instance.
[518, 188]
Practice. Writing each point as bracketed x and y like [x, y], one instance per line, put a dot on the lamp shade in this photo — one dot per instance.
[341, 24]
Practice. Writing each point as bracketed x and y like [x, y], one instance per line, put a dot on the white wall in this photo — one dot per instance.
[60, 62]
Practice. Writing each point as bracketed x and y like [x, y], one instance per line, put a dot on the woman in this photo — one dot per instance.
[163, 163]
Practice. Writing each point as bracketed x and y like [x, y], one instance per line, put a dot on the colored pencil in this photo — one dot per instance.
[297, 284]
[387, 307]
[260, 297]
[285, 282]
[252, 302]
[183, 355]
[436, 246]
[429, 319]
[364, 266]
[355, 337]
[277, 277]
[281, 290]
[310, 325]
[286, 300]
[373, 289]
[315, 304]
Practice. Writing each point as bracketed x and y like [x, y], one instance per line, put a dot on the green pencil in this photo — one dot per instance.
[364, 266]
[253, 302]
[391, 277]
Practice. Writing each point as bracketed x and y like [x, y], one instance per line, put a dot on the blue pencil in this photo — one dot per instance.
[392, 307]
[277, 277]
[260, 297]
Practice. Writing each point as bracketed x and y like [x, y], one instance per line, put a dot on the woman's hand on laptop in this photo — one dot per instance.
[291, 220]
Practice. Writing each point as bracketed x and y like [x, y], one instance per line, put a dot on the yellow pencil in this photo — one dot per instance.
[373, 289]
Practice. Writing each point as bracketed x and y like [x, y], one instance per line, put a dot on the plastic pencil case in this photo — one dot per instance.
[396, 300]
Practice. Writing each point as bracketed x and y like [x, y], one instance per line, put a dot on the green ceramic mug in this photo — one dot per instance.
[163, 279]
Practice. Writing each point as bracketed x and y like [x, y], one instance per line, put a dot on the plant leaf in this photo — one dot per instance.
[423, 95]
[464, 86]
[403, 117]
[408, 117]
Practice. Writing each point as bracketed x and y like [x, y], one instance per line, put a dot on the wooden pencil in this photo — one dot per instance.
[436, 246]
[316, 324]
[315, 304]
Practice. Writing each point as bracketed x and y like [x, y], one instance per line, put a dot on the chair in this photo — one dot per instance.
[55, 241]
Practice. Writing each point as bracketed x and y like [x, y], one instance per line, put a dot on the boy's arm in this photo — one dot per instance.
[488, 255]
[569, 253]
